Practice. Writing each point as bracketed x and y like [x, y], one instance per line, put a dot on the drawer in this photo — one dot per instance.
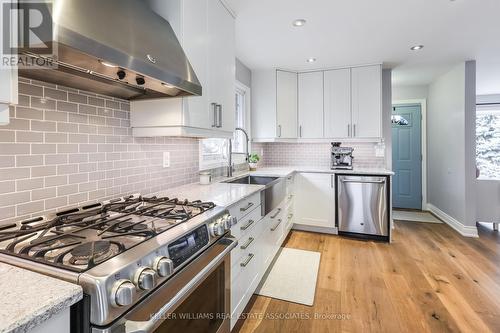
[242, 277]
[245, 206]
[247, 242]
[244, 225]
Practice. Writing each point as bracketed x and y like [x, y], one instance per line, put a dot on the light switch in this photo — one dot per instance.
[166, 159]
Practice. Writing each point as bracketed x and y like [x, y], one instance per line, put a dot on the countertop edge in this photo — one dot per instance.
[53, 307]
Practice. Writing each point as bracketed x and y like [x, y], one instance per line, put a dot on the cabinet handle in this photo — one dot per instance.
[214, 112]
[279, 131]
[247, 244]
[290, 216]
[348, 130]
[276, 226]
[300, 131]
[331, 181]
[246, 226]
[249, 258]
[218, 108]
[244, 209]
[290, 196]
[354, 129]
[277, 213]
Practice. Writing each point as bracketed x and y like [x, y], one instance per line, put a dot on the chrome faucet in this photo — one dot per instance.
[230, 147]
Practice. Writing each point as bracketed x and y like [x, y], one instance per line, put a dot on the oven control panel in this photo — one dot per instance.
[183, 248]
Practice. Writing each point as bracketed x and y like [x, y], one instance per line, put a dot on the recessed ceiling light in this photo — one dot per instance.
[311, 60]
[299, 22]
[107, 64]
[416, 47]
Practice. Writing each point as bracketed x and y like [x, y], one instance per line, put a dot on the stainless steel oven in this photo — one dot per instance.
[196, 299]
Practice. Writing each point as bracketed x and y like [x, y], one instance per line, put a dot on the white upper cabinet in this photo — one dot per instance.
[263, 104]
[221, 60]
[286, 104]
[310, 105]
[205, 29]
[334, 104]
[366, 89]
[337, 99]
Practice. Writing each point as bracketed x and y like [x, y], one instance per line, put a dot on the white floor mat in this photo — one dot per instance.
[293, 276]
[410, 216]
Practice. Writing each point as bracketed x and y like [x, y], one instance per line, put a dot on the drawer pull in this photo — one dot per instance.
[276, 226]
[290, 196]
[245, 227]
[247, 244]
[290, 216]
[277, 213]
[244, 209]
[250, 257]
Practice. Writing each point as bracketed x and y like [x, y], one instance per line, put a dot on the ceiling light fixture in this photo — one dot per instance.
[299, 22]
[311, 60]
[416, 47]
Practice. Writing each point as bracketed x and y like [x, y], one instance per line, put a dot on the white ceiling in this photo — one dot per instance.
[351, 32]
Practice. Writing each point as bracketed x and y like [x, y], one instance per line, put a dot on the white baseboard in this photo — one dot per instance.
[463, 230]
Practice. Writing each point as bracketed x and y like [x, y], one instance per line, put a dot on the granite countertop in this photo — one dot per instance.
[29, 299]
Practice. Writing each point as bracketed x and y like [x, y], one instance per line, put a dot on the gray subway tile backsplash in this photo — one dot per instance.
[65, 147]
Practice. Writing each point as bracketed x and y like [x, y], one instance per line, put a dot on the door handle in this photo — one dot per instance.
[276, 226]
[214, 113]
[244, 209]
[246, 226]
[247, 244]
[277, 213]
[218, 107]
[249, 258]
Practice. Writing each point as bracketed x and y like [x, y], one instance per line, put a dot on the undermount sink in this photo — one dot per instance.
[253, 180]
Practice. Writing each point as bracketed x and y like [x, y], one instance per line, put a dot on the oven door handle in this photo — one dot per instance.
[148, 326]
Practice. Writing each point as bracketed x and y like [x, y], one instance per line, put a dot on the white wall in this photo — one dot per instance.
[451, 146]
[409, 92]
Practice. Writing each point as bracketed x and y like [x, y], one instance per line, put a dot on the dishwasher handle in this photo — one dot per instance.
[381, 181]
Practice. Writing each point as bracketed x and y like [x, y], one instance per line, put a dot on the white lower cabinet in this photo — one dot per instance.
[315, 200]
[259, 239]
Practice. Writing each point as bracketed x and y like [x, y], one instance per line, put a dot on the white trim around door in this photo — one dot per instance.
[423, 107]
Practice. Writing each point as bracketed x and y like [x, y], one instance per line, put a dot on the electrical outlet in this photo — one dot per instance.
[166, 159]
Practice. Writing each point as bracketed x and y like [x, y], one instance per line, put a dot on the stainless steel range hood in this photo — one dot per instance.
[119, 48]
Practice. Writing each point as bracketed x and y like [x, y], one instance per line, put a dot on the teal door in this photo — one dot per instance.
[407, 156]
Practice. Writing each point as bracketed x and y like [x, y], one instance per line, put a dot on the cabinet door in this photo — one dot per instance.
[366, 85]
[311, 105]
[221, 62]
[195, 44]
[315, 200]
[263, 104]
[286, 104]
[337, 99]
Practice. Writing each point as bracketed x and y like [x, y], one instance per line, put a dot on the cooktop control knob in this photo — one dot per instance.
[145, 278]
[164, 266]
[228, 222]
[217, 228]
[122, 293]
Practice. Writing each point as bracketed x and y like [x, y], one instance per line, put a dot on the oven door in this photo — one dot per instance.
[196, 299]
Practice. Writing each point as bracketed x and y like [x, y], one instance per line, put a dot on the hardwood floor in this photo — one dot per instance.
[430, 279]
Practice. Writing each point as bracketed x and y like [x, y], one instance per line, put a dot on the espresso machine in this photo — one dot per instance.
[341, 156]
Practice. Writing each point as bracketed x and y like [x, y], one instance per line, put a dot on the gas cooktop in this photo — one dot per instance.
[81, 238]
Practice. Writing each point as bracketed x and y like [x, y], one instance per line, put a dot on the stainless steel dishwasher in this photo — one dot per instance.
[362, 206]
